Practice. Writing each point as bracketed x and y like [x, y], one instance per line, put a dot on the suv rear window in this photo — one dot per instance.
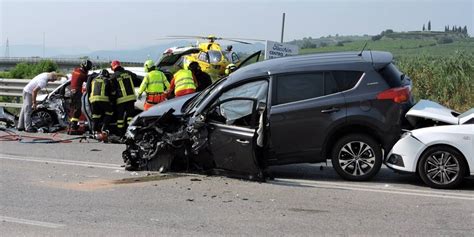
[346, 79]
[392, 75]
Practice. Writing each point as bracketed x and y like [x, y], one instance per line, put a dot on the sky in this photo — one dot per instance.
[106, 24]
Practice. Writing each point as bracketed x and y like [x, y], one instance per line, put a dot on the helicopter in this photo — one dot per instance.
[210, 55]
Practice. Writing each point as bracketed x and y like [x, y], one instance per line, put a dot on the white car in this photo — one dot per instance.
[443, 154]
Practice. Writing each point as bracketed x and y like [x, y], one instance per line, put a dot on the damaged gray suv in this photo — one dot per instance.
[347, 107]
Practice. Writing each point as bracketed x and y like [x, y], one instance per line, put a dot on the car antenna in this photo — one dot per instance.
[365, 45]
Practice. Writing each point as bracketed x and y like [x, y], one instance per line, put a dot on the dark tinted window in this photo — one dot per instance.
[392, 75]
[330, 84]
[297, 87]
[346, 79]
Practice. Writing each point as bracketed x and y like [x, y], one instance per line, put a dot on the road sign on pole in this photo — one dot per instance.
[277, 50]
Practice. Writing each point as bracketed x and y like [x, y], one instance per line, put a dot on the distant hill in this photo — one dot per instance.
[399, 43]
[131, 55]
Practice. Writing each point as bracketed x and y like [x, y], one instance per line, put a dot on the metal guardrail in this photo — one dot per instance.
[14, 88]
[69, 61]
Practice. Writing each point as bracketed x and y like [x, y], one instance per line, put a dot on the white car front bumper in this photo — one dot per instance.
[405, 154]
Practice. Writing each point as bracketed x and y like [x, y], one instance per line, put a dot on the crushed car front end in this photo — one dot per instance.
[155, 137]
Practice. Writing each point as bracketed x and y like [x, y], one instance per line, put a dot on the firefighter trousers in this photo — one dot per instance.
[101, 115]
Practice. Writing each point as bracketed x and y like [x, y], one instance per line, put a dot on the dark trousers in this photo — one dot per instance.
[101, 115]
[76, 106]
[124, 116]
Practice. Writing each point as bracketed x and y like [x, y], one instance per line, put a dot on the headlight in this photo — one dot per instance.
[407, 133]
[131, 130]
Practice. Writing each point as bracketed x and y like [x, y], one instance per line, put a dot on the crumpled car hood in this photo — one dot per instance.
[426, 109]
[163, 107]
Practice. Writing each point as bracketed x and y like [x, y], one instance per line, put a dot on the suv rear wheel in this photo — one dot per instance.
[356, 157]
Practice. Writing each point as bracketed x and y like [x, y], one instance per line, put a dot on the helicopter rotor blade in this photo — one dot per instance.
[187, 36]
[238, 41]
[260, 40]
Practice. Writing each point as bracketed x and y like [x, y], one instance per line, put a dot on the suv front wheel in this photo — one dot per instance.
[356, 157]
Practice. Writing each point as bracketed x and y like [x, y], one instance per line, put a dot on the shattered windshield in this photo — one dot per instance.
[201, 96]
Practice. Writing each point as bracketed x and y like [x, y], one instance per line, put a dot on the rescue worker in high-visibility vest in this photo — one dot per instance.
[154, 85]
[183, 83]
[123, 90]
[99, 90]
[78, 77]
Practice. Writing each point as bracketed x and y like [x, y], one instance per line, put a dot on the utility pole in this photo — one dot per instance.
[282, 28]
[7, 50]
[44, 37]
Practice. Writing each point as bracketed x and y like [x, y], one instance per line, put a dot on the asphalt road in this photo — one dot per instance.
[79, 189]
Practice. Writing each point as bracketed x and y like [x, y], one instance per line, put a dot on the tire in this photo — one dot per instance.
[43, 118]
[442, 167]
[353, 165]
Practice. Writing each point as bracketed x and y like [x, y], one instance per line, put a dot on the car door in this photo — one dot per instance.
[253, 58]
[305, 106]
[232, 144]
[233, 123]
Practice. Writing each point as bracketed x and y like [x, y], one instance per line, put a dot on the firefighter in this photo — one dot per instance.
[154, 85]
[79, 76]
[183, 83]
[99, 90]
[123, 90]
[203, 79]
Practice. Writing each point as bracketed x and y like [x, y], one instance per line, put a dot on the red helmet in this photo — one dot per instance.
[115, 64]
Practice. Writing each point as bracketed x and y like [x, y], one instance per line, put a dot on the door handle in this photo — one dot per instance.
[331, 110]
[242, 141]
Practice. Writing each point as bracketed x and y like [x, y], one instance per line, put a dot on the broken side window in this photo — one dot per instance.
[240, 110]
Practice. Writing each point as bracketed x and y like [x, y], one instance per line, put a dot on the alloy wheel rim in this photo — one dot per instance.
[42, 119]
[442, 167]
[356, 158]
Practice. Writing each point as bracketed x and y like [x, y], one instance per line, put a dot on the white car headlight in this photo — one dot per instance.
[407, 133]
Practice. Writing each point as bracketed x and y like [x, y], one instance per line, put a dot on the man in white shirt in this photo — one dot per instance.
[29, 98]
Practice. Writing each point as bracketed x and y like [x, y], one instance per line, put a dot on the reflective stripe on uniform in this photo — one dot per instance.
[126, 88]
[184, 81]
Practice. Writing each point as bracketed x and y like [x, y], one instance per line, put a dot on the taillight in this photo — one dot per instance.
[398, 95]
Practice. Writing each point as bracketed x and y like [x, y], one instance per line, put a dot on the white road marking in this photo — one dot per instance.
[61, 162]
[378, 189]
[30, 222]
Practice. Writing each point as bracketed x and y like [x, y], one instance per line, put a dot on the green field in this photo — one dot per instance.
[440, 72]
[402, 47]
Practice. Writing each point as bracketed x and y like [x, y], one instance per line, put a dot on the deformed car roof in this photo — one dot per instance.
[375, 59]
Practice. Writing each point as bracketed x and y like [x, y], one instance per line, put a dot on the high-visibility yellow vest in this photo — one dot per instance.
[183, 80]
[154, 82]
[127, 89]
[98, 92]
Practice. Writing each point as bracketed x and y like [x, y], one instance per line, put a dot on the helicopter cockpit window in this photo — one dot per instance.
[203, 57]
[235, 57]
[214, 56]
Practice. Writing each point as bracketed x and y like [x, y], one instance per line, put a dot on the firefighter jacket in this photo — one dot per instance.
[123, 87]
[78, 77]
[154, 82]
[100, 89]
[183, 83]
